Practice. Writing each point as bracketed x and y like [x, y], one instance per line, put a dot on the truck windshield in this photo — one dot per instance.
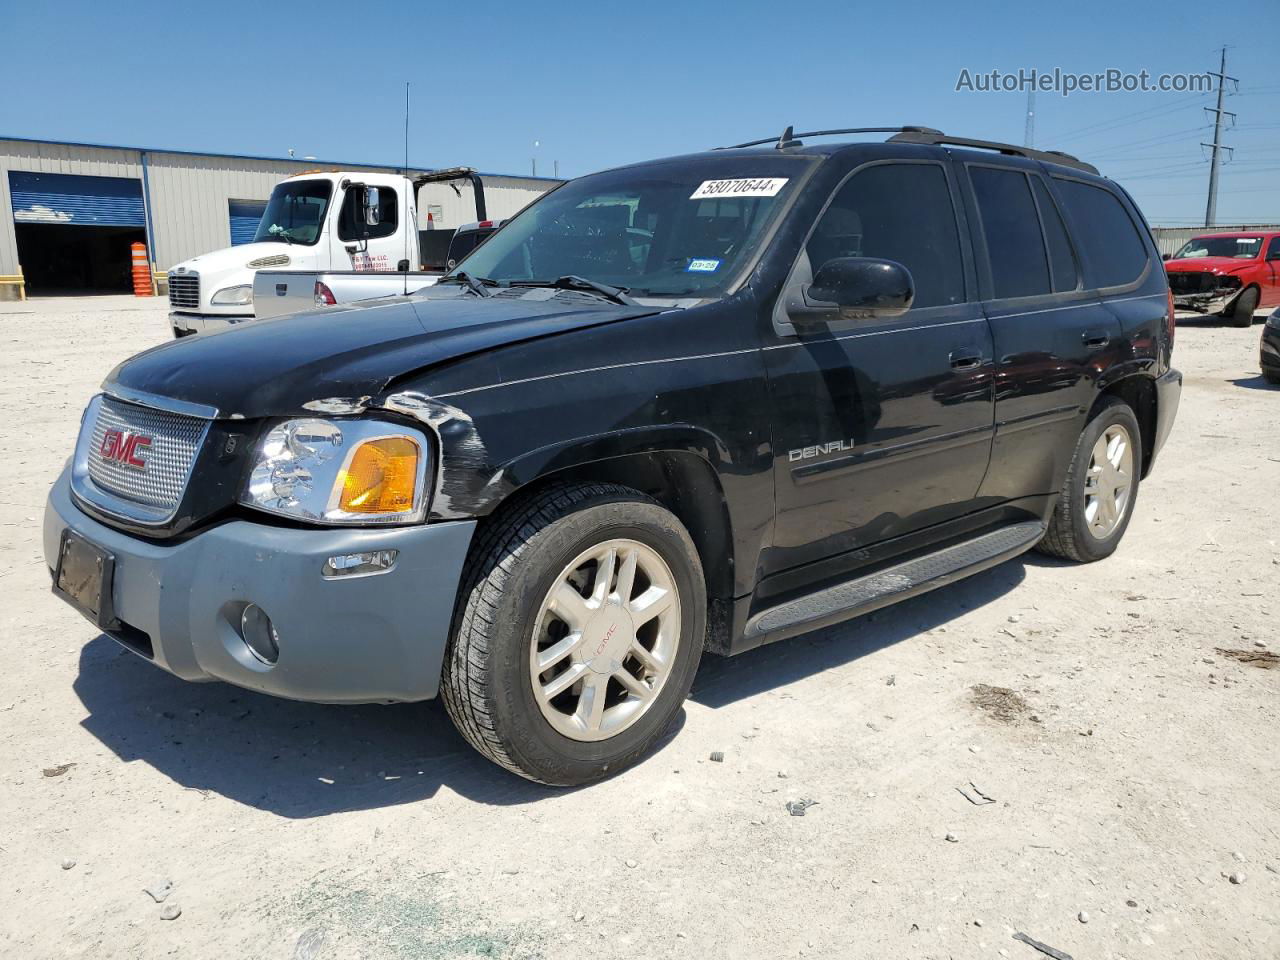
[1239, 248]
[670, 229]
[295, 212]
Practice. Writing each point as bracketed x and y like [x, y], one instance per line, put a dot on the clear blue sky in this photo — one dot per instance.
[603, 83]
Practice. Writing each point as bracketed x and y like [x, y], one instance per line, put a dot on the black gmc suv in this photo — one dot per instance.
[698, 404]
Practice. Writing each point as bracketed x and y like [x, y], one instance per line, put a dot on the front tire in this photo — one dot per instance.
[1243, 309]
[580, 627]
[1101, 487]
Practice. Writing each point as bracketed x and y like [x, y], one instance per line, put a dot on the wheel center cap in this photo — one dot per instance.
[609, 634]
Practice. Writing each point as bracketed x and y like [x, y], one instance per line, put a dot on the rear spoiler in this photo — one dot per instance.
[451, 175]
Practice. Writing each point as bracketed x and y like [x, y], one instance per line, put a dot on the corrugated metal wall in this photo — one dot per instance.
[1171, 239]
[190, 194]
[53, 158]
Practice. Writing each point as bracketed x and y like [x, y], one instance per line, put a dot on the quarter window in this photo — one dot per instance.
[1106, 233]
[1015, 245]
[901, 212]
[1062, 261]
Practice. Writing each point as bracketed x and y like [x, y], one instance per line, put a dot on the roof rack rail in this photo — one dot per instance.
[791, 139]
[1045, 156]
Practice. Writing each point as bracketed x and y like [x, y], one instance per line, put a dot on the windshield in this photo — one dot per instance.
[1239, 248]
[295, 212]
[672, 229]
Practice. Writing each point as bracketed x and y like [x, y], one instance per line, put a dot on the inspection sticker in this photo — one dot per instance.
[702, 266]
[752, 187]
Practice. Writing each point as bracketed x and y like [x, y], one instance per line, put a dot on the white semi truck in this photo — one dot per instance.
[336, 236]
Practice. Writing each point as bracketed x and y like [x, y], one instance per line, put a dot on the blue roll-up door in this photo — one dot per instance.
[245, 215]
[59, 198]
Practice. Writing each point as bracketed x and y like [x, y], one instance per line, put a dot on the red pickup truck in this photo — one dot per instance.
[1232, 274]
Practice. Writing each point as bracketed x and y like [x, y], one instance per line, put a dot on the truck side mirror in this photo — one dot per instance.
[371, 211]
[1165, 256]
[855, 288]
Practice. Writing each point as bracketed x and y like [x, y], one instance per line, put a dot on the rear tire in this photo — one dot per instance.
[580, 719]
[1243, 309]
[1088, 520]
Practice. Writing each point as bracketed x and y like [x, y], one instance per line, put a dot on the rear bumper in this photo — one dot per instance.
[1168, 395]
[361, 639]
[185, 324]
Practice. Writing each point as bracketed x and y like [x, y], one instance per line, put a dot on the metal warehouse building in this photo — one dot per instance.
[69, 211]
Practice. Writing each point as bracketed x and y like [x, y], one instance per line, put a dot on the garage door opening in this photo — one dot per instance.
[74, 232]
[76, 260]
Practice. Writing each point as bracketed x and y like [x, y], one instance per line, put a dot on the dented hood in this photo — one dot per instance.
[274, 367]
[1221, 265]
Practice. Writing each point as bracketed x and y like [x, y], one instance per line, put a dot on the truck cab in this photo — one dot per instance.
[330, 222]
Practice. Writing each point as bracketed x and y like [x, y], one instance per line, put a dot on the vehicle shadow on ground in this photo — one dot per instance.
[297, 760]
[302, 760]
[724, 680]
[1258, 382]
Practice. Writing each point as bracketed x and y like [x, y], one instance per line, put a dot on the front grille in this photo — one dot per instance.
[1189, 281]
[159, 484]
[184, 291]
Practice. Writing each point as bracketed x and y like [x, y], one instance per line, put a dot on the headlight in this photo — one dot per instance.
[341, 472]
[233, 296]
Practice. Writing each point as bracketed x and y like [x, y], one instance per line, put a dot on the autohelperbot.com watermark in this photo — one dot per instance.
[1066, 82]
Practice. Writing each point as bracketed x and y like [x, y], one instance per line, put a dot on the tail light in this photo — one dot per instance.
[325, 297]
[1169, 323]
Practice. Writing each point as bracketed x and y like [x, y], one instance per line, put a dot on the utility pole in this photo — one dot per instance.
[1211, 208]
[1029, 137]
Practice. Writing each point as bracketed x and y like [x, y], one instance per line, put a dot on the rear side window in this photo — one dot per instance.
[902, 212]
[1019, 263]
[1106, 233]
[1062, 259]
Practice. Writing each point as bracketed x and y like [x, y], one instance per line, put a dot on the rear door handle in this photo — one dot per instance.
[965, 360]
[1095, 338]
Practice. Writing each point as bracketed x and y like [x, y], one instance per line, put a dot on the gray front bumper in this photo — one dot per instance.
[349, 640]
[184, 323]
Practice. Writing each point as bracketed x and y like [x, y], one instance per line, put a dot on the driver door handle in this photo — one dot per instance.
[1095, 338]
[965, 359]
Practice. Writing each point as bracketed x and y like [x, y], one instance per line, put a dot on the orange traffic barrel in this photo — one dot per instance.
[141, 271]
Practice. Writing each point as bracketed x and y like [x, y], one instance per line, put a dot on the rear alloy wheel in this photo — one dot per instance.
[1100, 489]
[1243, 309]
[581, 622]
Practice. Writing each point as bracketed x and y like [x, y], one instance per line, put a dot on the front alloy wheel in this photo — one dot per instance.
[580, 624]
[605, 640]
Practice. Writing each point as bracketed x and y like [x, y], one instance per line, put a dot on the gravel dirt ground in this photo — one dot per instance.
[1122, 717]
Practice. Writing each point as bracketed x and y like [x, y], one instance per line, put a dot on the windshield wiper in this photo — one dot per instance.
[574, 282]
[477, 285]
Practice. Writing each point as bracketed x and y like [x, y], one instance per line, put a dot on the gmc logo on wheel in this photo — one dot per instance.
[124, 448]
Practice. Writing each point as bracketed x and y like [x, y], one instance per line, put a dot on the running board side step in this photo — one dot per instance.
[865, 594]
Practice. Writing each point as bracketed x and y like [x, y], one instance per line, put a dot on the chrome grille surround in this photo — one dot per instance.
[184, 290]
[150, 495]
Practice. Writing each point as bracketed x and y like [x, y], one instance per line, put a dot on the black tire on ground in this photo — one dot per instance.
[1242, 310]
[487, 688]
[1271, 377]
[1068, 535]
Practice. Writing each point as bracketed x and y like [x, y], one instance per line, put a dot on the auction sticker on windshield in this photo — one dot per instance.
[751, 187]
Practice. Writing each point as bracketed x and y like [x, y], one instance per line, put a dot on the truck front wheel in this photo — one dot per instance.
[579, 630]
[1242, 310]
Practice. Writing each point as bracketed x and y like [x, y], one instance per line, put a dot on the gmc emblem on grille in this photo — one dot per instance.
[122, 447]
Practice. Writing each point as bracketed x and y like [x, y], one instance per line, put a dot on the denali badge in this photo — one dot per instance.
[119, 446]
[819, 450]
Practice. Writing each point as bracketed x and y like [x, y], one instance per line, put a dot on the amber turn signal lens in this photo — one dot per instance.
[381, 477]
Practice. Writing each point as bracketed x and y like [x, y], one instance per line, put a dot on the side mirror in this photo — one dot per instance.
[855, 288]
[369, 207]
[1166, 256]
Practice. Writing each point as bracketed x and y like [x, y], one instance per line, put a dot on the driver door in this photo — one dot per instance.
[883, 426]
[369, 248]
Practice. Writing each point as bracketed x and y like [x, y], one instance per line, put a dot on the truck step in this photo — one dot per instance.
[864, 594]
